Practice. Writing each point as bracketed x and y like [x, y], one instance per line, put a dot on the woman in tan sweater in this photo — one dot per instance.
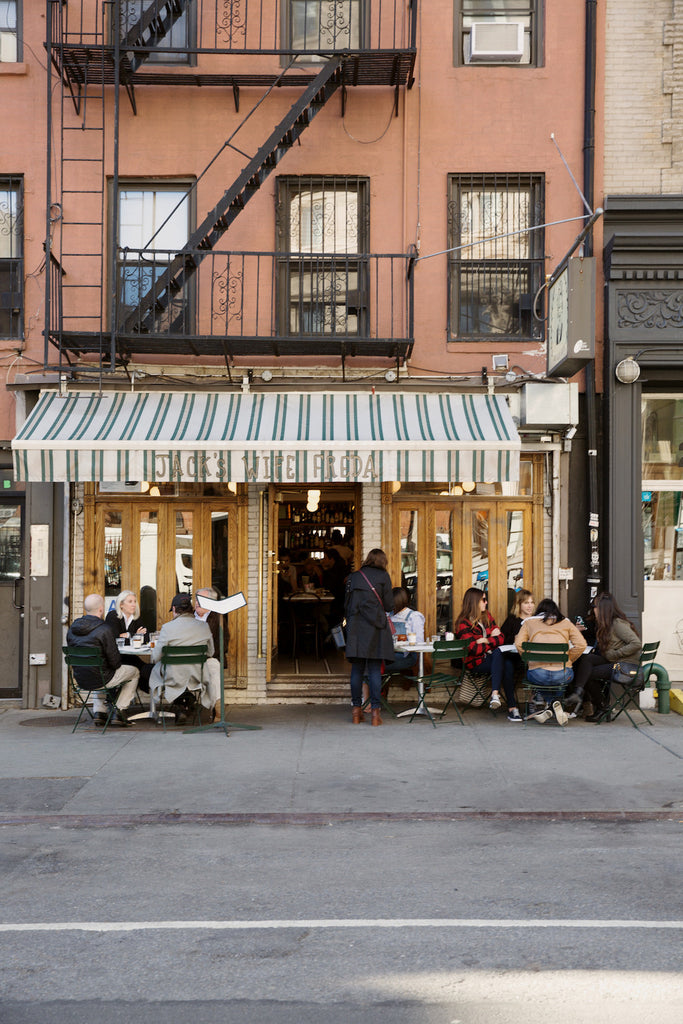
[549, 626]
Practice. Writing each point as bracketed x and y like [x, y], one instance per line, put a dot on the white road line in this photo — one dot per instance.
[330, 923]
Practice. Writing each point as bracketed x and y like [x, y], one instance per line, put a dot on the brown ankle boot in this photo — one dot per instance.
[376, 720]
[357, 716]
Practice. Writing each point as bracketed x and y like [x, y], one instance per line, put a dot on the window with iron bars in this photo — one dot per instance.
[181, 37]
[322, 230]
[327, 25]
[11, 258]
[510, 13]
[496, 266]
[10, 31]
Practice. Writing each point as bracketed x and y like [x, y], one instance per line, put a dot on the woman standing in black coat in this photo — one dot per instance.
[369, 596]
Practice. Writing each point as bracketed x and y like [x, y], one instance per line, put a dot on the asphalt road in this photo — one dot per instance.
[391, 922]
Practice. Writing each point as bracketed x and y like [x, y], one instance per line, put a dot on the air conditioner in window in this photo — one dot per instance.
[496, 42]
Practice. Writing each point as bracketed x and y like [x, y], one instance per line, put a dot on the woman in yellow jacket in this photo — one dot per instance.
[549, 626]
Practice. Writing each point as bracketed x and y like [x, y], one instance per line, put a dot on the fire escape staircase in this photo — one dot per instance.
[157, 300]
[154, 24]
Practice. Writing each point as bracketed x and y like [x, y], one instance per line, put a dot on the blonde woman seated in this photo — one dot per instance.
[549, 626]
[124, 621]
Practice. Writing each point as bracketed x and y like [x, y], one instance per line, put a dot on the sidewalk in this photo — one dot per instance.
[309, 760]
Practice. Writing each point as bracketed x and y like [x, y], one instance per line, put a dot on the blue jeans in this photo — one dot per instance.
[546, 677]
[401, 662]
[360, 668]
[502, 672]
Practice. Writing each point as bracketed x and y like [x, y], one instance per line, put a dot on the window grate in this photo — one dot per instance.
[495, 266]
[11, 257]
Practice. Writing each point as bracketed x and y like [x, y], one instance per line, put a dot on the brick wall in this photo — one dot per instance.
[256, 667]
[644, 96]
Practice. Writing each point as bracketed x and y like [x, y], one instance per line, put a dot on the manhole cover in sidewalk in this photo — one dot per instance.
[52, 720]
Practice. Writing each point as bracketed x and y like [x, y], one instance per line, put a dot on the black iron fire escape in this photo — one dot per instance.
[122, 59]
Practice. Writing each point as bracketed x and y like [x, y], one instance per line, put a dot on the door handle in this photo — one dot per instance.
[19, 607]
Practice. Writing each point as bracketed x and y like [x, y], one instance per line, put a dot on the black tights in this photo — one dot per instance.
[592, 674]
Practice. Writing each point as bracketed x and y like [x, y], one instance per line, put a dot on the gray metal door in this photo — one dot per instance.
[11, 594]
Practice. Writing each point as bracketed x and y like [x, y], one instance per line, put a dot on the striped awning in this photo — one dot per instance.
[267, 437]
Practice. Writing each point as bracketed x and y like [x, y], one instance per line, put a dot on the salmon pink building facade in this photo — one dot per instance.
[275, 277]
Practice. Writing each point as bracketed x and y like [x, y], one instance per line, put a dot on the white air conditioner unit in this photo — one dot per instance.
[496, 42]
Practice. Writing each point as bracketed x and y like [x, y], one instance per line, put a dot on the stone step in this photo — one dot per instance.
[309, 688]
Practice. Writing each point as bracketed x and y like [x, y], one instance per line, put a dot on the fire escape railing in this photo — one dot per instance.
[270, 297]
[312, 28]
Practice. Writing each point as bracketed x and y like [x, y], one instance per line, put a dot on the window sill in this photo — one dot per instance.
[13, 69]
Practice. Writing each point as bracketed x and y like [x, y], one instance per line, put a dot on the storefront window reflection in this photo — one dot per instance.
[663, 534]
[149, 542]
[183, 551]
[10, 542]
[409, 553]
[219, 552]
[515, 549]
[480, 549]
[662, 433]
[444, 569]
[113, 554]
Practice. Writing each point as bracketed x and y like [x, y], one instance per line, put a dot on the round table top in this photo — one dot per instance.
[310, 595]
[129, 649]
[425, 646]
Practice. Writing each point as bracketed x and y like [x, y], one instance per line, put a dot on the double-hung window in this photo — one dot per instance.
[10, 46]
[11, 258]
[181, 36]
[154, 224]
[322, 239]
[496, 263]
[324, 25]
[498, 32]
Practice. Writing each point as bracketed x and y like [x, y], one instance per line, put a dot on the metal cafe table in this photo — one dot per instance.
[141, 650]
[426, 647]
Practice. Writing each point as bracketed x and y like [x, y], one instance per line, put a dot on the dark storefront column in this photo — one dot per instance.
[644, 319]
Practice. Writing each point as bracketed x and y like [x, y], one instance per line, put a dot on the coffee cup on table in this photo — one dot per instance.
[412, 638]
[137, 641]
[450, 636]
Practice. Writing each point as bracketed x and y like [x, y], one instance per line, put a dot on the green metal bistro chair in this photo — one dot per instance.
[625, 695]
[443, 677]
[387, 679]
[475, 690]
[89, 658]
[550, 654]
[192, 654]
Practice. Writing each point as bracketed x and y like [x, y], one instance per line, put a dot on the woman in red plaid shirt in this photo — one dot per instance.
[476, 626]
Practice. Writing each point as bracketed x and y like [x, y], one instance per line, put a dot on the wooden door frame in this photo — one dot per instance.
[498, 507]
[201, 507]
[272, 552]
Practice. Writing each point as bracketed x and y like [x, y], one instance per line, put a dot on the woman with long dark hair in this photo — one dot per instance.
[549, 626]
[478, 629]
[616, 639]
[369, 642]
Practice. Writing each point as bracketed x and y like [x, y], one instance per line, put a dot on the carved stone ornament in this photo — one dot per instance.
[657, 310]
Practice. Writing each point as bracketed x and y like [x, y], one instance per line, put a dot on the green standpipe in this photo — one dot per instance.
[663, 685]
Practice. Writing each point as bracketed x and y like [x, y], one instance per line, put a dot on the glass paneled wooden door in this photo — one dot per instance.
[158, 548]
[442, 548]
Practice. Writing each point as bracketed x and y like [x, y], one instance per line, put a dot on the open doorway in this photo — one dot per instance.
[313, 538]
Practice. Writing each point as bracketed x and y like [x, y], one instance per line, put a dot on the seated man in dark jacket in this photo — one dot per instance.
[91, 631]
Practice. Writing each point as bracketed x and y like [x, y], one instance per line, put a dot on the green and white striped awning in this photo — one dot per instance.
[276, 437]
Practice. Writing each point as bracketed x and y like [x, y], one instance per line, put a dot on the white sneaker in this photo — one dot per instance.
[494, 703]
[542, 716]
[560, 714]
